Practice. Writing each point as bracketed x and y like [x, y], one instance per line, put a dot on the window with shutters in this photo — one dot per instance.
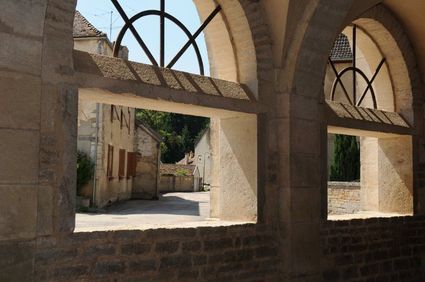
[121, 167]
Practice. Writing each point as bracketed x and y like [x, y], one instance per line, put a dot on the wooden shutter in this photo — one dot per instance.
[110, 163]
[131, 164]
[121, 168]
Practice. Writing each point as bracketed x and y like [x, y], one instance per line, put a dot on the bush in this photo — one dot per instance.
[85, 170]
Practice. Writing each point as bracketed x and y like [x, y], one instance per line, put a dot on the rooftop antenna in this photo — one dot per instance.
[110, 26]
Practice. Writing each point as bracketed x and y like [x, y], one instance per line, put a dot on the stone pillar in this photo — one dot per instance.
[215, 168]
[395, 175]
[387, 174]
[369, 191]
[238, 168]
[38, 106]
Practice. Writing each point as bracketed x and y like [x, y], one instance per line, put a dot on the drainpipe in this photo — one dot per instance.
[95, 154]
[158, 173]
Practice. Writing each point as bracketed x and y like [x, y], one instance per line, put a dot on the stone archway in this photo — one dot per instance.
[304, 139]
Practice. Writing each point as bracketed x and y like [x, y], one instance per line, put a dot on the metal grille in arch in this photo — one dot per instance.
[163, 15]
[356, 73]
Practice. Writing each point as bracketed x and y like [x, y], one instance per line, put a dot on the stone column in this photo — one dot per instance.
[238, 168]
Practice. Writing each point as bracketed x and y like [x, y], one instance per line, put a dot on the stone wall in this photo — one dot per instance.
[343, 197]
[379, 249]
[173, 183]
[146, 181]
[236, 253]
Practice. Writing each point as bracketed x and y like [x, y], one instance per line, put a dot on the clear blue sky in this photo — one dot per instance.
[98, 12]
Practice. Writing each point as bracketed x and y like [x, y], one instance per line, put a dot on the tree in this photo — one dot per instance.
[346, 161]
[179, 132]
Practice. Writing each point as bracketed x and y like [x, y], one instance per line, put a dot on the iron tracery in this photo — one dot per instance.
[163, 16]
[354, 100]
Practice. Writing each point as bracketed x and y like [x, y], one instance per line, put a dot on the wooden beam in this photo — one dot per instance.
[128, 79]
[347, 119]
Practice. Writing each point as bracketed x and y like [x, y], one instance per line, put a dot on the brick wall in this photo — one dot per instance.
[236, 253]
[343, 197]
[380, 249]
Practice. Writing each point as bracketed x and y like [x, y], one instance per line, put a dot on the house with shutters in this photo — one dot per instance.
[106, 133]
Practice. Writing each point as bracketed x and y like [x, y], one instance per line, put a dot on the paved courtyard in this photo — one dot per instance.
[183, 209]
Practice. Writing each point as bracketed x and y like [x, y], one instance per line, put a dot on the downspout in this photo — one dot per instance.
[158, 172]
[95, 155]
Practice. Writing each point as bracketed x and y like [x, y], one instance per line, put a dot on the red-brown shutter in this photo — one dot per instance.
[129, 164]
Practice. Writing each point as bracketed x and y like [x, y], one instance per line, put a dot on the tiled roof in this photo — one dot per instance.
[172, 169]
[342, 49]
[83, 28]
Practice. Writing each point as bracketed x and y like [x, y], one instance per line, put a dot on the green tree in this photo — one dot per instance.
[179, 132]
[346, 161]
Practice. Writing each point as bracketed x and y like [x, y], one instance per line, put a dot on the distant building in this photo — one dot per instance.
[148, 158]
[125, 166]
[202, 157]
[179, 178]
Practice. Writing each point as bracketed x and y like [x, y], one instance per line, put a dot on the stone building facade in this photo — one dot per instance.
[148, 159]
[276, 49]
[105, 132]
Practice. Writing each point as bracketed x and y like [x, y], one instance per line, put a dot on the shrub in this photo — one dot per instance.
[182, 172]
[346, 162]
[85, 170]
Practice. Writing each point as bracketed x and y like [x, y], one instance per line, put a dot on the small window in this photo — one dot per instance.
[121, 167]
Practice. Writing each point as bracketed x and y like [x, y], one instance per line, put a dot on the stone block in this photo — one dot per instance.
[169, 247]
[135, 249]
[70, 272]
[19, 155]
[175, 262]
[99, 250]
[305, 136]
[305, 205]
[20, 54]
[12, 13]
[142, 265]
[305, 170]
[106, 268]
[18, 212]
[192, 246]
[45, 210]
[19, 101]
[16, 261]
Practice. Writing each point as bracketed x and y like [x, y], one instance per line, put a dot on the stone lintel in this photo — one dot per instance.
[119, 76]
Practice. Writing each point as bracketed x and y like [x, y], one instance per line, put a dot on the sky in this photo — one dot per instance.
[98, 12]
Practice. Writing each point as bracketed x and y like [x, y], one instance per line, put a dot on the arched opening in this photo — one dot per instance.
[368, 78]
[232, 137]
